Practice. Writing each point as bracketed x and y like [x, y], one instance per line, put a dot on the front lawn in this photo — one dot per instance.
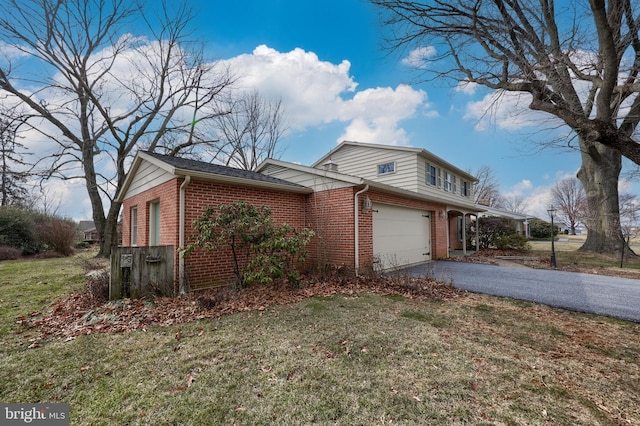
[360, 358]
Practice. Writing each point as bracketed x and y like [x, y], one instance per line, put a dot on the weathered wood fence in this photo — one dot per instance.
[141, 271]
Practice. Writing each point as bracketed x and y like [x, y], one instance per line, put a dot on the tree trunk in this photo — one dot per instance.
[599, 175]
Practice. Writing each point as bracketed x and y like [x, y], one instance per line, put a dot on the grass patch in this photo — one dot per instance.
[356, 359]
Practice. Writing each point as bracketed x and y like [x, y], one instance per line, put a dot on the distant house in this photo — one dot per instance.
[371, 206]
[90, 233]
[88, 230]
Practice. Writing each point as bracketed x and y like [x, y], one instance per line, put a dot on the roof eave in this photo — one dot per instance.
[212, 177]
[424, 197]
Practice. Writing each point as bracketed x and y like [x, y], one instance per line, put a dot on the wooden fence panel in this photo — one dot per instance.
[141, 271]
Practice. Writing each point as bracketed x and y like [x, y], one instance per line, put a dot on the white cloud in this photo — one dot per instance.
[310, 88]
[418, 57]
[466, 87]
[625, 186]
[316, 92]
[519, 188]
[9, 52]
[506, 110]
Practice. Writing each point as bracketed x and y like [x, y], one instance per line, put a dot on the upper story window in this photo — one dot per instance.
[464, 189]
[448, 182]
[386, 168]
[432, 176]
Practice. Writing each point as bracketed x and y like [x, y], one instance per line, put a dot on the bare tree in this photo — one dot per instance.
[580, 65]
[102, 92]
[250, 132]
[629, 211]
[13, 168]
[569, 198]
[514, 203]
[487, 189]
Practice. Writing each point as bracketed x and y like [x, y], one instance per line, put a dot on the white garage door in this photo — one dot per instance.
[401, 236]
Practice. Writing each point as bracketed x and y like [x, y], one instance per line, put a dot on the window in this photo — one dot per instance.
[386, 168]
[447, 181]
[432, 178]
[464, 189]
[134, 226]
[154, 223]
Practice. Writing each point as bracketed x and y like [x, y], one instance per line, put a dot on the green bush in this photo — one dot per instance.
[512, 242]
[16, 229]
[540, 229]
[261, 251]
[490, 230]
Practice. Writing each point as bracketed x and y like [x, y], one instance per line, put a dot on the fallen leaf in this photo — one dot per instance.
[190, 379]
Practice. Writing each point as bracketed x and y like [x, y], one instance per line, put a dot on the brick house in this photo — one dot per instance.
[371, 206]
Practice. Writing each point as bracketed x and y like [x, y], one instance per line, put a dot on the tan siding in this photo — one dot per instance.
[425, 188]
[317, 183]
[363, 162]
[147, 177]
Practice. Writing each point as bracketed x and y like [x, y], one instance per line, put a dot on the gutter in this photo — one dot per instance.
[356, 222]
[181, 225]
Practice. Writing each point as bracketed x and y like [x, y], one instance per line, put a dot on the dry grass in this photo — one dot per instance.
[362, 359]
[341, 359]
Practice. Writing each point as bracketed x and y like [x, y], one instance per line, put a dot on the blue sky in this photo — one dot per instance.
[434, 116]
[326, 61]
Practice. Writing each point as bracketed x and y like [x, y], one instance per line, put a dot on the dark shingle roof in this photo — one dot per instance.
[217, 169]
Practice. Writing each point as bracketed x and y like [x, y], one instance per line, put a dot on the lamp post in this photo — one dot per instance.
[551, 212]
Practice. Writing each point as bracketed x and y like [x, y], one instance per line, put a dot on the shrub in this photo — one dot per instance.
[491, 229]
[57, 235]
[9, 253]
[97, 286]
[540, 229]
[261, 251]
[512, 242]
[16, 229]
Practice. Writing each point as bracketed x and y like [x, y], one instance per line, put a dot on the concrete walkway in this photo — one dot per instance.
[597, 294]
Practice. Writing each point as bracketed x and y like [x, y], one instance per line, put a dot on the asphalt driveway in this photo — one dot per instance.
[597, 294]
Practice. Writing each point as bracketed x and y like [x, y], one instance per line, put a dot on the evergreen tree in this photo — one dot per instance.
[13, 176]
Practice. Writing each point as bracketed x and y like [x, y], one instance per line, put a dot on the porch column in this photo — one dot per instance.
[446, 218]
[477, 233]
[464, 233]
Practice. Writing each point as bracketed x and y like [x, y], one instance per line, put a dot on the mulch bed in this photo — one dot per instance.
[79, 314]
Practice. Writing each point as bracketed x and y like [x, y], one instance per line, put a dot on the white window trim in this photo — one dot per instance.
[134, 226]
[154, 223]
[384, 164]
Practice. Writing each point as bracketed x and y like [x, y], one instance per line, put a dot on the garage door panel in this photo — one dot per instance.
[401, 236]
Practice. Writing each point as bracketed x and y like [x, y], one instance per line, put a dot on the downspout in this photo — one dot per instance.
[181, 225]
[356, 212]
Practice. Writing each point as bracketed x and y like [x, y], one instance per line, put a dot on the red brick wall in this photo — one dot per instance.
[167, 195]
[329, 213]
[331, 216]
[438, 225]
[207, 268]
